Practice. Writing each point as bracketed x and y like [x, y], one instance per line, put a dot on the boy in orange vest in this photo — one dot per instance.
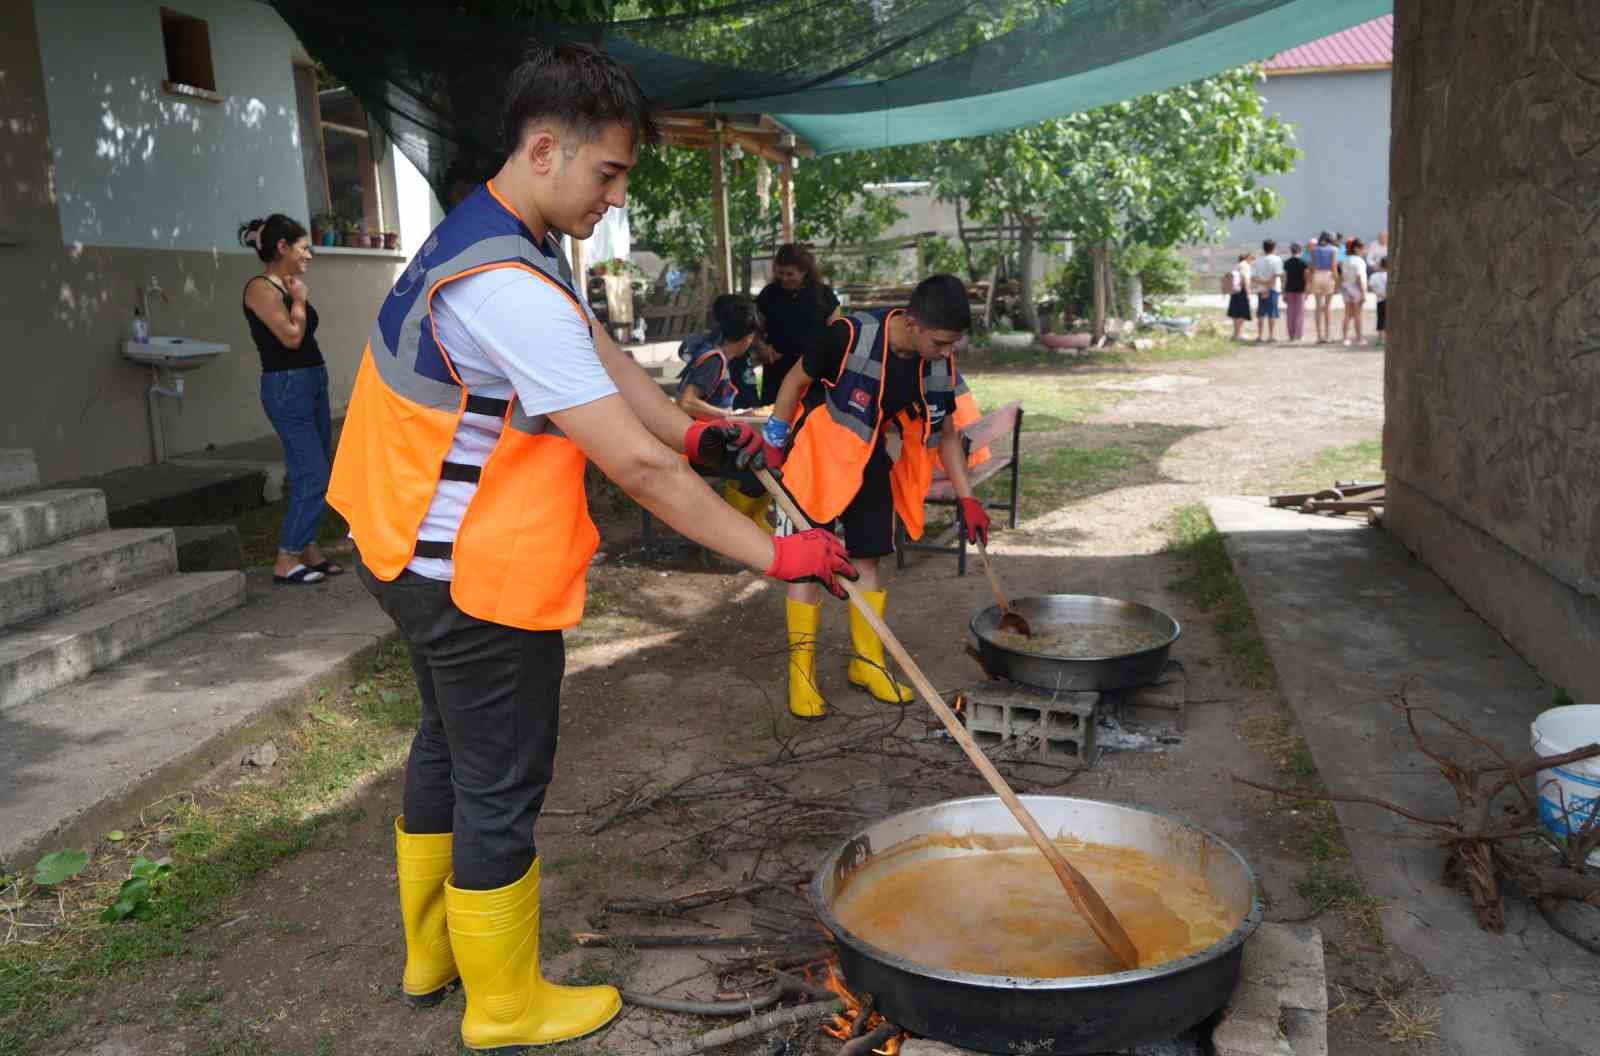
[890, 407]
[484, 390]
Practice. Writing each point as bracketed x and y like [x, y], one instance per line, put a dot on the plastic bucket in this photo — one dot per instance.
[1569, 796]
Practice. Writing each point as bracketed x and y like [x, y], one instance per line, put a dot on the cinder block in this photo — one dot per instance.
[1045, 727]
[1280, 1007]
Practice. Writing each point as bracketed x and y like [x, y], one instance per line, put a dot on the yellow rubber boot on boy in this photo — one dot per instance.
[510, 1004]
[423, 863]
[804, 700]
[867, 669]
[754, 508]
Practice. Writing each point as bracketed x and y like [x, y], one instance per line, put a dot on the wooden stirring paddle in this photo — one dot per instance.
[1101, 920]
[1010, 619]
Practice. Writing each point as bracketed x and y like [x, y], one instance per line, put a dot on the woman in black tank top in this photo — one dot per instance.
[294, 388]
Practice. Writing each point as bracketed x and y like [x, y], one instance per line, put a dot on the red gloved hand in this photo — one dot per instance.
[814, 555]
[976, 519]
[772, 457]
[719, 445]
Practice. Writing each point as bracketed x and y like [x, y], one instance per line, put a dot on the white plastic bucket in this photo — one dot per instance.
[1568, 795]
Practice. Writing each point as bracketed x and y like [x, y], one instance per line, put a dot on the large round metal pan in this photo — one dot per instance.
[1043, 671]
[1008, 1014]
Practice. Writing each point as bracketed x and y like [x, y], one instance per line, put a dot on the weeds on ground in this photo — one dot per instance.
[259, 532]
[215, 849]
[1049, 400]
[1215, 588]
[1358, 461]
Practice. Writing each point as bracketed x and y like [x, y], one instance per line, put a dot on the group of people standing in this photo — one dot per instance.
[1326, 267]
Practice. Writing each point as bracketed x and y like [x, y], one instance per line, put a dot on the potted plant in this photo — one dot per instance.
[321, 224]
[391, 240]
[347, 231]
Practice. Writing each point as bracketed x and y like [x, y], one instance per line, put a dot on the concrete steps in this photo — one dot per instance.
[75, 572]
[28, 522]
[76, 595]
[65, 648]
[18, 471]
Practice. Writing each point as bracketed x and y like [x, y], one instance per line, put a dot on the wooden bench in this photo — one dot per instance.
[991, 431]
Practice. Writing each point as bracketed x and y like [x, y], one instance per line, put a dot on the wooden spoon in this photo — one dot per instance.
[1101, 920]
[1010, 619]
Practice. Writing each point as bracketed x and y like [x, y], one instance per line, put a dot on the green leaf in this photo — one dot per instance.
[144, 868]
[324, 716]
[59, 867]
[116, 835]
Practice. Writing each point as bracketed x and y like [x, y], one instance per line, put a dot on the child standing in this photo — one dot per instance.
[1378, 283]
[1269, 285]
[1238, 286]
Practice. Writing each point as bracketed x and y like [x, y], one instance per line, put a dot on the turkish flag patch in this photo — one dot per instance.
[861, 399]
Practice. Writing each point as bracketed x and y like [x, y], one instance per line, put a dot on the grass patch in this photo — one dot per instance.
[259, 532]
[217, 847]
[1358, 461]
[1049, 400]
[1214, 586]
[1205, 344]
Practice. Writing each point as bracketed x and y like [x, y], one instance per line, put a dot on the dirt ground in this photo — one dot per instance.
[679, 671]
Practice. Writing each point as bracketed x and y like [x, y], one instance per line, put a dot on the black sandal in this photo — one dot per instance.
[328, 568]
[299, 576]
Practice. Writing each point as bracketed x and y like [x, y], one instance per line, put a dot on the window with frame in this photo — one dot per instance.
[343, 163]
[187, 42]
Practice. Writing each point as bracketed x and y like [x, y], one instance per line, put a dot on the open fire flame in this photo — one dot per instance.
[839, 1026]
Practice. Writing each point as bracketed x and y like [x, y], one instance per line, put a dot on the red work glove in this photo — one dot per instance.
[814, 555]
[718, 445]
[977, 520]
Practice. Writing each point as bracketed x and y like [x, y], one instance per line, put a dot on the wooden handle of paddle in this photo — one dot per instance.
[1104, 923]
[994, 580]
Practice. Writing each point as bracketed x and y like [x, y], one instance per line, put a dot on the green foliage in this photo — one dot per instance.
[1162, 271]
[59, 867]
[1214, 586]
[670, 195]
[133, 898]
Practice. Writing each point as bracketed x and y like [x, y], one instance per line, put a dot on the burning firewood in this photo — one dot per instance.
[1490, 837]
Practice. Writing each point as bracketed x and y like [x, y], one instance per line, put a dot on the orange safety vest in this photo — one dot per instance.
[834, 440]
[522, 551]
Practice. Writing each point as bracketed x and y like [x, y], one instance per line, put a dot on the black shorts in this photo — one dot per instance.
[867, 524]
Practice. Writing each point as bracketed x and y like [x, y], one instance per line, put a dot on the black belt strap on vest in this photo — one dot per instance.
[487, 406]
[430, 548]
[465, 472]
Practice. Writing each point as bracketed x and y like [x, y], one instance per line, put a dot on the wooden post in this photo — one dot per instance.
[786, 196]
[722, 263]
[580, 271]
[1098, 254]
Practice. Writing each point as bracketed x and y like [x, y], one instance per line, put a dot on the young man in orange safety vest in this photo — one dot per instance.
[862, 452]
[484, 389]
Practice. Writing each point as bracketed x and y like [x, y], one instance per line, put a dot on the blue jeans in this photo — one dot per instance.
[296, 401]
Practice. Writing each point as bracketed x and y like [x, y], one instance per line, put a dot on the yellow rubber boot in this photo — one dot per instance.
[510, 1004]
[423, 863]
[804, 700]
[867, 668]
[753, 508]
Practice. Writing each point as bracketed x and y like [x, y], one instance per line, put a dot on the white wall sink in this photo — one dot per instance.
[174, 353]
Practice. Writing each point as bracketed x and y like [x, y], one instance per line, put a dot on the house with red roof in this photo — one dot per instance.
[1335, 92]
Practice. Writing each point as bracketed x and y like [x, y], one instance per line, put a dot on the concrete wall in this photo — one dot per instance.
[1492, 441]
[66, 307]
[139, 167]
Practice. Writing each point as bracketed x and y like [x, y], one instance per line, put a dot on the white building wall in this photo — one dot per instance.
[139, 167]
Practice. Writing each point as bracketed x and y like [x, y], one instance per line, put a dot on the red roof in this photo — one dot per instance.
[1369, 44]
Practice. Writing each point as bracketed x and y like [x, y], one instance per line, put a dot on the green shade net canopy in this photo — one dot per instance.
[841, 75]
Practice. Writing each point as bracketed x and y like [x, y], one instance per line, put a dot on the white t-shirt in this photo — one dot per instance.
[506, 332]
[1379, 284]
[1269, 273]
[1375, 254]
[1352, 270]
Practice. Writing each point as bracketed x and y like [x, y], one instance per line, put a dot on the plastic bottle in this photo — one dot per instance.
[141, 327]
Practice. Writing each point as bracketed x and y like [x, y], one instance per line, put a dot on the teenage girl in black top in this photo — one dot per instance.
[294, 388]
[796, 307]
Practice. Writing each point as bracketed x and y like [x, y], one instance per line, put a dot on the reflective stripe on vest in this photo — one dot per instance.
[831, 449]
[523, 546]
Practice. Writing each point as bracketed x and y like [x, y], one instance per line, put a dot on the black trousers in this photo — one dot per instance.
[485, 747]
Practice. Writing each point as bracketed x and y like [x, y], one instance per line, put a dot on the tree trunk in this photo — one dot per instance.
[1027, 318]
[1098, 253]
[966, 247]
